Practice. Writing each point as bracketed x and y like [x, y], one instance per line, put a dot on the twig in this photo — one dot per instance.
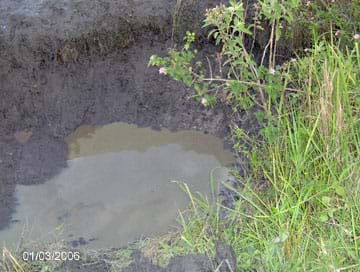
[211, 73]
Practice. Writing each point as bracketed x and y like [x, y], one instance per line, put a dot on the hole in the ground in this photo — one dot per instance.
[118, 185]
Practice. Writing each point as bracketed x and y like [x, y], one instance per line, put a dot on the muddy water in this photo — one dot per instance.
[118, 185]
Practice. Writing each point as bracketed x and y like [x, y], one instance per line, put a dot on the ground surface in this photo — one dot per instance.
[64, 64]
[189, 263]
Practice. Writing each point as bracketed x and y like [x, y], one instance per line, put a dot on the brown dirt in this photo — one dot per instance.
[67, 64]
[64, 64]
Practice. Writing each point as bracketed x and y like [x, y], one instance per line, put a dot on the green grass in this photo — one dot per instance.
[299, 209]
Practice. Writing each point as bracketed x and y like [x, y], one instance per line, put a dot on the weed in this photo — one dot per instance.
[299, 207]
[246, 84]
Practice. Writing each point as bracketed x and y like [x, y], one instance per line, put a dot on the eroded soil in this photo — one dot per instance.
[66, 63]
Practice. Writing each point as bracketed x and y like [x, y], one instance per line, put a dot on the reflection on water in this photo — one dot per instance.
[88, 140]
[117, 186]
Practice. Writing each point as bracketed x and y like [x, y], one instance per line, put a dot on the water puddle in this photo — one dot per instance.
[117, 187]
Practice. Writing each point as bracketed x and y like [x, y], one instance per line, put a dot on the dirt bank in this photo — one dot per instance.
[64, 64]
[68, 63]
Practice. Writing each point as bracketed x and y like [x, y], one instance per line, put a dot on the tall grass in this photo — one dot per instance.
[307, 218]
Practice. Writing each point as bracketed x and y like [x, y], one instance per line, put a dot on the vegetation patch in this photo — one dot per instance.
[298, 208]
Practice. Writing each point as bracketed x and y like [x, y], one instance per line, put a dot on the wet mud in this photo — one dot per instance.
[70, 63]
[122, 184]
[65, 64]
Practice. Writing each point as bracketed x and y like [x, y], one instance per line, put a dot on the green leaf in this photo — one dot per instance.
[277, 33]
[340, 191]
[326, 200]
[270, 133]
[260, 116]
[323, 218]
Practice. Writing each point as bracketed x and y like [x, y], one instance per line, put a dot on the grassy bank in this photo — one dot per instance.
[299, 203]
[299, 209]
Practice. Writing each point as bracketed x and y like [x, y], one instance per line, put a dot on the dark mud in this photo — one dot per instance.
[64, 64]
[189, 263]
[225, 261]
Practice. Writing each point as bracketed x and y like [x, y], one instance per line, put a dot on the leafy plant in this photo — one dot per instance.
[245, 84]
[181, 67]
[335, 20]
[299, 205]
[278, 13]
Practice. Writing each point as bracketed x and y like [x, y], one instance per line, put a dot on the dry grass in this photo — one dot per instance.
[10, 263]
[153, 248]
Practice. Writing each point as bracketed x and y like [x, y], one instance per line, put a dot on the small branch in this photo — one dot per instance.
[231, 80]
[264, 54]
[271, 64]
[211, 73]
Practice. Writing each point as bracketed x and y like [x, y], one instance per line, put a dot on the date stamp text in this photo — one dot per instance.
[34, 256]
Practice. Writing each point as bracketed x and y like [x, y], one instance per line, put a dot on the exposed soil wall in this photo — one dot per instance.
[64, 64]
